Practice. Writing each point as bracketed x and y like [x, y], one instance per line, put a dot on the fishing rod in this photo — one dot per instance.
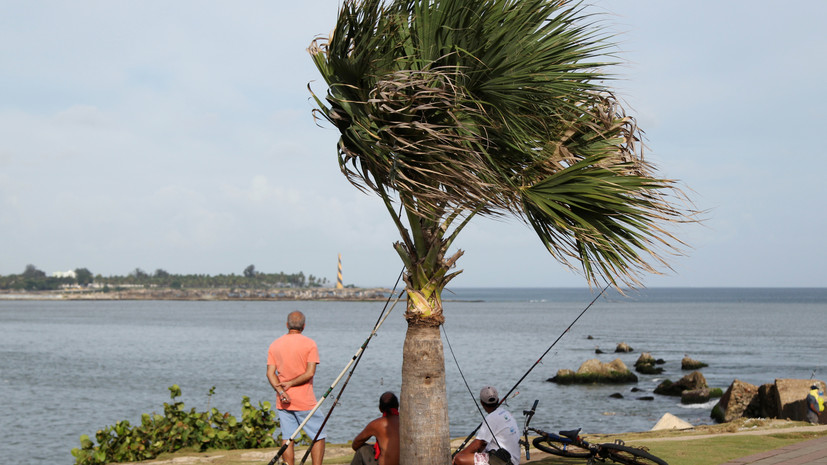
[353, 361]
[539, 360]
[473, 398]
[333, 385]
[357, 360]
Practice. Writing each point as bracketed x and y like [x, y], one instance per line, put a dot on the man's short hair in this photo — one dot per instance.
[388, 401]
[295, 320]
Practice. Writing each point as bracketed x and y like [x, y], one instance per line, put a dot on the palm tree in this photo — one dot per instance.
[456, 108]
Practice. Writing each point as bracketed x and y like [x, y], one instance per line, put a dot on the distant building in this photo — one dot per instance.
[65, 274]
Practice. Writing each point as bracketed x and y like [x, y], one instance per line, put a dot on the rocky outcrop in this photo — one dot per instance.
[645, 358]
[623, 347]
[767, 401]
[690, 364]
[564, 373]
[596, 367]
[741, 399]
[696, 396]
[783, 399]
[692, 381]
[790, 397]
[645, 364]
[595, 371]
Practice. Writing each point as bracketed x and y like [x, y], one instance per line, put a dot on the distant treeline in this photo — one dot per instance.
[33, 279]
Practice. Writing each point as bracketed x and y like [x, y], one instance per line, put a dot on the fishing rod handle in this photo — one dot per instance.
[279, 453]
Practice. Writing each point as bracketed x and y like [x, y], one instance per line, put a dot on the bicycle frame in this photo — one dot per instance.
[570, 444]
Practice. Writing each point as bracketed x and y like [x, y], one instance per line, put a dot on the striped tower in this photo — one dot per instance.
[339, 276]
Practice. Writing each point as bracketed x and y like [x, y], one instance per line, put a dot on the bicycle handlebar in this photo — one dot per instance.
[533, 408]
[528, 415]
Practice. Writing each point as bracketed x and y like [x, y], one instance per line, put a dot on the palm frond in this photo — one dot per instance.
[452, 99]
[494, 107]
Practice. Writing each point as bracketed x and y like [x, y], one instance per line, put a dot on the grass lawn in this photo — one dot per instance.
[706, 451]
[703, 445]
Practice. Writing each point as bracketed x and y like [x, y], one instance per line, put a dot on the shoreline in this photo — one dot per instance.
[210, 294]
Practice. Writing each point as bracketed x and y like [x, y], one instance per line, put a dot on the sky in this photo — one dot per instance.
[179, 135]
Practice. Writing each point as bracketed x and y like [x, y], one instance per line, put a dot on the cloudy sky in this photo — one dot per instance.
[178, 135]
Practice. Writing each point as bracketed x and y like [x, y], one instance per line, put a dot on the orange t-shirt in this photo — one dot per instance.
[290, 354]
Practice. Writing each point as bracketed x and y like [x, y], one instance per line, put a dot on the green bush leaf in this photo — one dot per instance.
[177, 429]
[85, 442]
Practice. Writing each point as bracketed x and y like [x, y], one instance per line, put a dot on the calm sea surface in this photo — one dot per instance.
[71, 368]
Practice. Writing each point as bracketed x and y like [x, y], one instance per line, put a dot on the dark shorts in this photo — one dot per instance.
[365, 456]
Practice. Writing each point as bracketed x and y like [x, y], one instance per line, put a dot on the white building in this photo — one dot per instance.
[65, 274]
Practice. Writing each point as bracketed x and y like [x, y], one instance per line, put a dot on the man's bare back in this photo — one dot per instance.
[386, 431]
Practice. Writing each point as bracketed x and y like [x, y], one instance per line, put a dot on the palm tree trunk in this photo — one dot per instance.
[424, 435]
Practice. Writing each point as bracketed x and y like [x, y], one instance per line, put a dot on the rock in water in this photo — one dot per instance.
[692, 381]
[595, 371]
[690, 364]
[696, 396]
[646, 365]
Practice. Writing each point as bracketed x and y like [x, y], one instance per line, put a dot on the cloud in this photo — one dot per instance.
[179, 135]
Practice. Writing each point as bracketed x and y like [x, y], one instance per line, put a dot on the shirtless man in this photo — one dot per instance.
[386, 431]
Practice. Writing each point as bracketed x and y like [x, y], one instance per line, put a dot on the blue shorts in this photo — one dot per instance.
[291, 419]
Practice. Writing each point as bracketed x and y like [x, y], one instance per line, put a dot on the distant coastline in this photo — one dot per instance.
[211, 294]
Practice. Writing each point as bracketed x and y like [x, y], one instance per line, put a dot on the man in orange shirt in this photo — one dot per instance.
[291, 365]
[386, 431]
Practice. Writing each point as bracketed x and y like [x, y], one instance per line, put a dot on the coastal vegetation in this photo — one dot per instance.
[700, 446]
[33, 279]
[180, 429]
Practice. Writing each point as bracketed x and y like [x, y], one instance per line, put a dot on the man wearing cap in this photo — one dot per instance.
[814, 404]
[498, 431]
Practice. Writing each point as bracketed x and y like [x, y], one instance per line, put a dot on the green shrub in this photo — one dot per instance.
[178, 428]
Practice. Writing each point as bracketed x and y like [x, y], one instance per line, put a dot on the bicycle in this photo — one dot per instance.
[571, 444]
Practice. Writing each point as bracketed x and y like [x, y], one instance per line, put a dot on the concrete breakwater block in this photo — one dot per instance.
[669, 421]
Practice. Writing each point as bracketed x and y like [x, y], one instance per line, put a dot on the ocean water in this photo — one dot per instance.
[71, 368]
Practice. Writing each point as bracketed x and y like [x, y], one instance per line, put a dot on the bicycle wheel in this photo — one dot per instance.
[560, 446]
[629, 455]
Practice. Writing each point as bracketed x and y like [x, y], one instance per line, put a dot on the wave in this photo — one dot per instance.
[705, 405]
